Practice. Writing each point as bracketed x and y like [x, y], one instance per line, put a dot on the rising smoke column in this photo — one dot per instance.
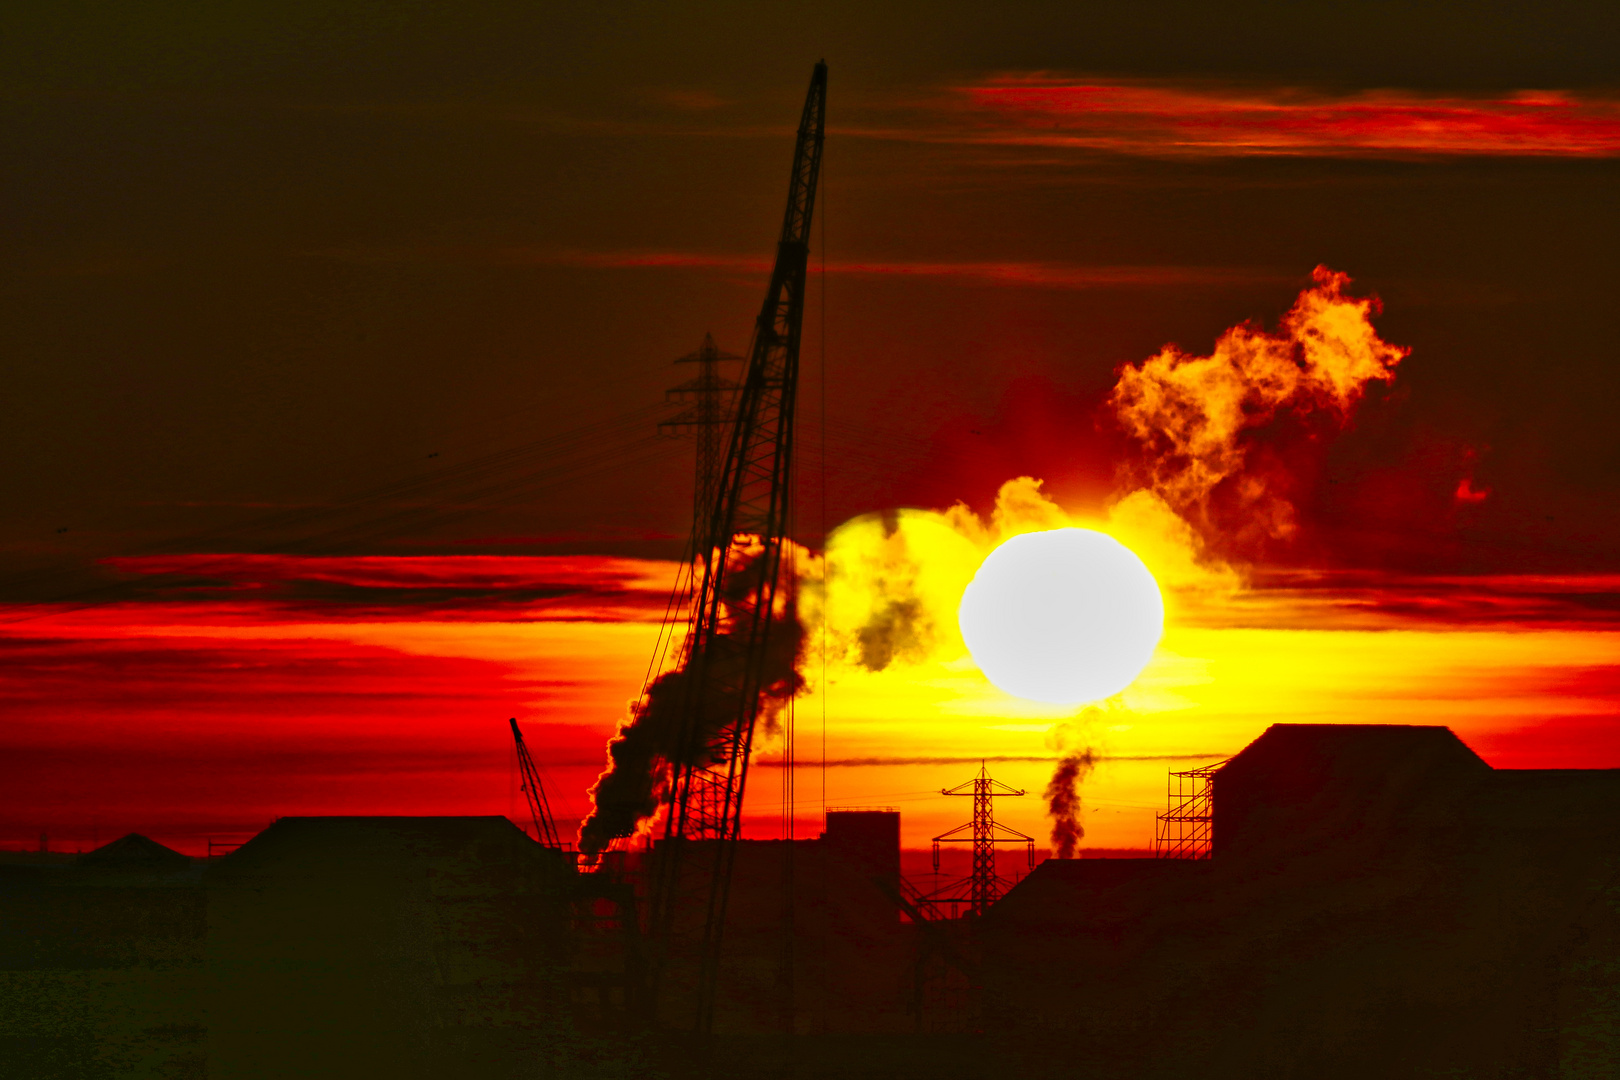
[628, 792]
[1063, 802]
[1228, 440]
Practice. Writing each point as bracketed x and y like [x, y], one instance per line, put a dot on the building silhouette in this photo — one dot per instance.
[1380, 902]
[1377, 901]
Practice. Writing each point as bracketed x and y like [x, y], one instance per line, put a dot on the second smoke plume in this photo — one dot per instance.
[1063, 802]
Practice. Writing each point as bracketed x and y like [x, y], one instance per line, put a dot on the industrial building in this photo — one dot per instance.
[322, 947]
[432, 947]
[1374, 901]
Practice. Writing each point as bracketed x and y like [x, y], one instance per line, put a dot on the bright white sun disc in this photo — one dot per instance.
[1065, 616]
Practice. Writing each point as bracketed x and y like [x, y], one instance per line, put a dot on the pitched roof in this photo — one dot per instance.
[321, 844]
[134, 852]
[1353, 747]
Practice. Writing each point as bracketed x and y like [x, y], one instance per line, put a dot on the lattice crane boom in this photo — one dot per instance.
[731, 631]
[728, 642]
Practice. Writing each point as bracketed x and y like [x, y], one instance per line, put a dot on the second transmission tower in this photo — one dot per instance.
[707, 417]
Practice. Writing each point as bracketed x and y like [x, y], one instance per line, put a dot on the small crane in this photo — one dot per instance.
[545, 830]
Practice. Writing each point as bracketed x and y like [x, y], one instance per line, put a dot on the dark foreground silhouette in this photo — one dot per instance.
[1379, 902]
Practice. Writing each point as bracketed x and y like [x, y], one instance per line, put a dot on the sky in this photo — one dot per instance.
[337, 339]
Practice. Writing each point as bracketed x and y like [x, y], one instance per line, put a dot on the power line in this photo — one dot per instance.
[503, 479]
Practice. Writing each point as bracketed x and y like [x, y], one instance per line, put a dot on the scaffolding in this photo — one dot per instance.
[1186, 830]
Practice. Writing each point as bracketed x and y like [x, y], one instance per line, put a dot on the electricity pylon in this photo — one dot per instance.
[707, 396]
[984, 832]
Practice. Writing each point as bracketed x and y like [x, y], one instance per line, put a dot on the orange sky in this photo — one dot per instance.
[221, 691]
[191, 719]
[400, 293]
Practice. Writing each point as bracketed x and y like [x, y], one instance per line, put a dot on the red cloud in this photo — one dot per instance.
[1034, 274]
[1216, 121]
[455, 586]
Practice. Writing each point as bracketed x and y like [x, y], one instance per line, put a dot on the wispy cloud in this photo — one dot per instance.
[1013, 273]
[1163, 119]
[370, 586]
[982, 759]
[1381, 600]
[1048, 275]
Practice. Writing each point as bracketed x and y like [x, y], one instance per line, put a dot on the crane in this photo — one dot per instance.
[545, 829]
[728, 649]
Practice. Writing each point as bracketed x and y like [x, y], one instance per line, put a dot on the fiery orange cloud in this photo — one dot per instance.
[1199, 421]
[1146, 118]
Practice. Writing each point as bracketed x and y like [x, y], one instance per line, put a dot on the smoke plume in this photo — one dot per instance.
[1221, 456]
[896, 628]
[629, 791]
[1228, 440]
[1063, 802]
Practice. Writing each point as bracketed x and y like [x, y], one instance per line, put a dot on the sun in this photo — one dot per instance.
[1066, 616]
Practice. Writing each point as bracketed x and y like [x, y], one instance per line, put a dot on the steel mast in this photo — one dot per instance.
[708, 411]
[739, 598]
[984, 832]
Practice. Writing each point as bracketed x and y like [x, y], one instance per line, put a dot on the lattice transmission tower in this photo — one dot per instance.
[983, 887]
[708, 397]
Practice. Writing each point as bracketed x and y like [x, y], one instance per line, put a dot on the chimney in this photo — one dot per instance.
[867, 838]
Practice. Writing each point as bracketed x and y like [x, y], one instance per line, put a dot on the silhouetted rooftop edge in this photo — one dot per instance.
[134, 851]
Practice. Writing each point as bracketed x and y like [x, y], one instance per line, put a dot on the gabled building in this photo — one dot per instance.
[1379, 902]
[386, 946]
[101, 963]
